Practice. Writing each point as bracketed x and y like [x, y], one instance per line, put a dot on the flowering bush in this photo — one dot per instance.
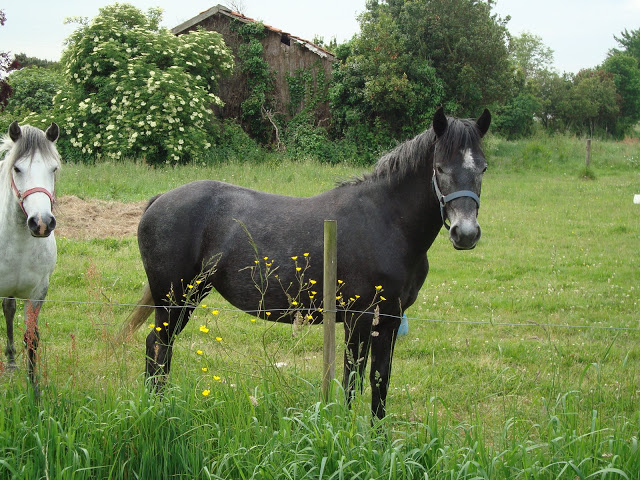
[136, 90]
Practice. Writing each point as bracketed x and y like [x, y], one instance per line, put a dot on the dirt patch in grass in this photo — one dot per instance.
[88, 219]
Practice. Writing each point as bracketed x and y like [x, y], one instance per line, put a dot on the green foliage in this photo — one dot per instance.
[135, 90]
[381, 91]
[259, 81]
[25, 61]
[630, 40]
[33, 90]
[626, 76]
[308, 88]
[410, 57]
[465, 43]
[530, 55]
[516, 118]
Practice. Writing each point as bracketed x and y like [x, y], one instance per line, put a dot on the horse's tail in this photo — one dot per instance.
[139, 315]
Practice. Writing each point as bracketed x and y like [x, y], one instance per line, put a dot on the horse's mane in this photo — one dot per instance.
[414, 155]
[33, 139]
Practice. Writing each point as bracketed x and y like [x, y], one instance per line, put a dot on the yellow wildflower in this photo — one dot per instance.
[378, 287]
[205, 393]
[204, 329]
[215, 312]
[199, 352]
[218, 339]
[294, 258]
[306, 254]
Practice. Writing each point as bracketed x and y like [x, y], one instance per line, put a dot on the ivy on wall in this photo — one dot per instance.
[260, 80]
[308, 89]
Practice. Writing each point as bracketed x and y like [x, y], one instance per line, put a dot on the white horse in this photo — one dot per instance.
[27, 245]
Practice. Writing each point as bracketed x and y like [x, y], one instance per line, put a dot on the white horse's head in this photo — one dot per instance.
[32, 163]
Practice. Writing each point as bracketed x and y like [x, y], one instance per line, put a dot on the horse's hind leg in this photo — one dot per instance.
[9, 310]
[168, 324]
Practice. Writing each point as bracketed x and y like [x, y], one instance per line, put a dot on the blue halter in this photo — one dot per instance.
[444, 199]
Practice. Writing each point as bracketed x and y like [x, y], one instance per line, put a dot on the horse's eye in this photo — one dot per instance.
[16, 169]
[439, 169]
[484, 169]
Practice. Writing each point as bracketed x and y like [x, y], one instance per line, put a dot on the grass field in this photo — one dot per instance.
[522, 358]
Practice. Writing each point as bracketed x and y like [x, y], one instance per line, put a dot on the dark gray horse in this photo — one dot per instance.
[263, 252]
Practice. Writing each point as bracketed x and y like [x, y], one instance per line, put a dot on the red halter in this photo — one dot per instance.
[23, 196]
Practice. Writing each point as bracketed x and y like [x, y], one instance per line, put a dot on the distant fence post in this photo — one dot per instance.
[588, 158]
[329, 305]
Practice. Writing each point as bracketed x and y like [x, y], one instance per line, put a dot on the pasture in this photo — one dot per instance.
[522, 358]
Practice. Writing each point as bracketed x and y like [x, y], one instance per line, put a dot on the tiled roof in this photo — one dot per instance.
[222, 10]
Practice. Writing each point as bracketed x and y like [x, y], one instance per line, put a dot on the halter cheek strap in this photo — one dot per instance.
[444, 199]
[23, 196]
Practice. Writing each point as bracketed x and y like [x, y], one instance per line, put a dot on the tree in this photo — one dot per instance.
[410, 57]
[553, 92]
[530, 55]
[515, 119]
[33, 89]
[626, 76]
[381, 92]
[593, 104]
[631, 42]
[136, 90]
[6, 65]
[464, 42]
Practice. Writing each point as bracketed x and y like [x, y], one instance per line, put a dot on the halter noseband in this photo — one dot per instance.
[23, 196]
[444, 199]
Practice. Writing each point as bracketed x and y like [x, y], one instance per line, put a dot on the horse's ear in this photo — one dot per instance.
[484, 121]
[440, 122]
[14, 131]
[52, 132]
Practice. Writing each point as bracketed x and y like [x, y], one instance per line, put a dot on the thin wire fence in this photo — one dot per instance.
[256, 312]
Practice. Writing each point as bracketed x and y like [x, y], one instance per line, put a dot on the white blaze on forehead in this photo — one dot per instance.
[467, 157]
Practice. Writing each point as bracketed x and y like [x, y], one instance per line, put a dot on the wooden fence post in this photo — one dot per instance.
[588, 159]
[330, 281]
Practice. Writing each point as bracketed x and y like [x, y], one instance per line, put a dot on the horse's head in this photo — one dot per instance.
[458, 166]
[34, 161]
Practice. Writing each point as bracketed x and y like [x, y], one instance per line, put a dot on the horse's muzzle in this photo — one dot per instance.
[41, 225]
[465, 235]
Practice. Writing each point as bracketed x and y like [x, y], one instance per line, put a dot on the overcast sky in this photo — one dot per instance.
[580, 32]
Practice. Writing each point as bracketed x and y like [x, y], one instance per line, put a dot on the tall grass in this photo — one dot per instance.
[502, 375]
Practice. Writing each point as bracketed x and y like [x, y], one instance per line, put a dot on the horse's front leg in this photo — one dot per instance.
[357, 342]
[382, 345]
[32, 337]
[9, 310]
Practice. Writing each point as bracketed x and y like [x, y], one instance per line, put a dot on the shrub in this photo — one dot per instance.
[136, 90]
